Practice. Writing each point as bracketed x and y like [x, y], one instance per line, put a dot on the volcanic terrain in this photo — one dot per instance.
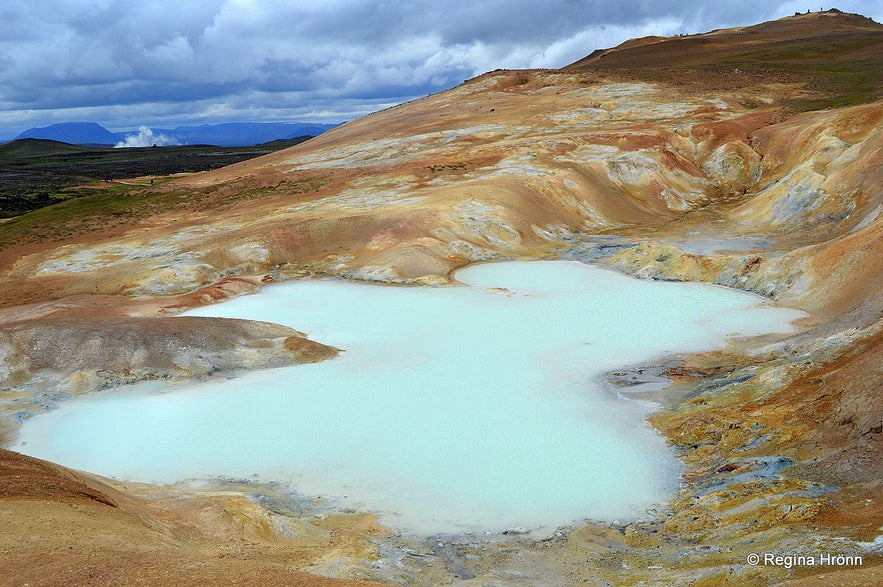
[746, 157]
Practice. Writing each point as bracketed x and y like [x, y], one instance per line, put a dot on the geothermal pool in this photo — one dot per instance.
[471, 408]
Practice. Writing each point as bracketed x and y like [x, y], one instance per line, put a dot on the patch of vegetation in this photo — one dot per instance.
[837, 80]
[837, 67]
[837, 89]
[35, 173]
[222, 197]
[96, 212]
[800, 55]
[120, 206]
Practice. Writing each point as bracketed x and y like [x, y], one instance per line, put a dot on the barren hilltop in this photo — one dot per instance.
[750, 157]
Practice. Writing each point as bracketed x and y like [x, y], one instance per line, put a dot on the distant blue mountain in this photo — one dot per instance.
[75, 133]
[234, 134]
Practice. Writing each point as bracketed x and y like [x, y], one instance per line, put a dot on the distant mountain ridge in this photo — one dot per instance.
[75, 133]
[234, 134]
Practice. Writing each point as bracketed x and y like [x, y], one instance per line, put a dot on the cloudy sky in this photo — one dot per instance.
[126, 63]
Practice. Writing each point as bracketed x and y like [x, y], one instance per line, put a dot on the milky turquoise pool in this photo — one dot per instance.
[471, 408]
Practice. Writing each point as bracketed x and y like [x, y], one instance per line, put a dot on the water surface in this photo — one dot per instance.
[450, 409]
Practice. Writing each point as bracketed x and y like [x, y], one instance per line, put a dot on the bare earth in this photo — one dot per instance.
[706, 174]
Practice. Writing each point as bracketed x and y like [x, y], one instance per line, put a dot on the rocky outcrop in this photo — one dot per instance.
[84, 355]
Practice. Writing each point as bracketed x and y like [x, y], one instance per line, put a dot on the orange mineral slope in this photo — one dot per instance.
[747, 157]
[66, 528]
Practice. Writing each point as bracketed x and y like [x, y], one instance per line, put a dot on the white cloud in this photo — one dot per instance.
[113, 61]
[602, 37]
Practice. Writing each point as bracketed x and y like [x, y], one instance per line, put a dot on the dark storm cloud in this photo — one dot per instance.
[164, 62]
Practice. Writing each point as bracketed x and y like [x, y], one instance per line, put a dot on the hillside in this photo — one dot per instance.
[750, 158]
[802, 42]
[36, 173]
[838, 56]
[37, 147]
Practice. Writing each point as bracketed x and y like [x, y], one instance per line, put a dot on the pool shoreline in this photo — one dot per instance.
[494, 273]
